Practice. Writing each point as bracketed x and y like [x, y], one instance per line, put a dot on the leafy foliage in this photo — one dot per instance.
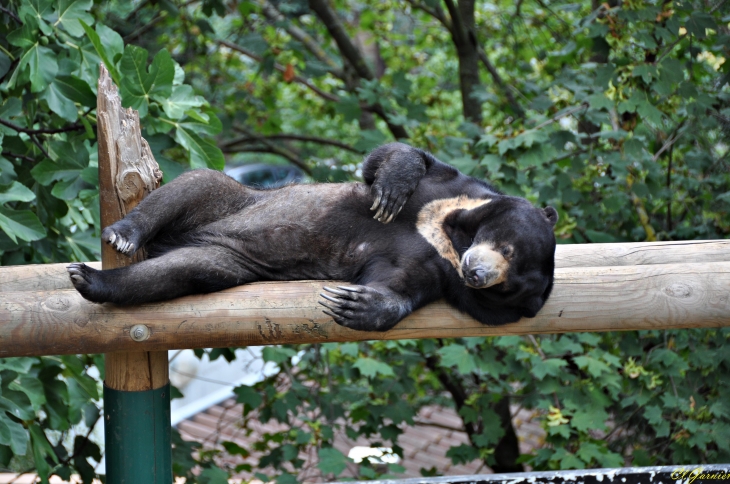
[616, 114]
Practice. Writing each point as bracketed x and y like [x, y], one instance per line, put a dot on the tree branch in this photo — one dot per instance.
[337, 30]
[307, 40]
[279, 67]
[559, 116]
[429, 423]
[519, 112]
[20, 157]
[436, 12]
[669, 49]
[457, 31]
[269, 147]
[40, 146]
[20, 129]
[283, 136]
[274, 150]
[11, 14]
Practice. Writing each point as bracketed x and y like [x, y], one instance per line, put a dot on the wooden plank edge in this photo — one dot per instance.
[47, 277]
[584, 299]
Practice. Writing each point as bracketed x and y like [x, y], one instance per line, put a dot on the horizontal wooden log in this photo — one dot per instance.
[642, 253]
[689, 295]
[52, 277]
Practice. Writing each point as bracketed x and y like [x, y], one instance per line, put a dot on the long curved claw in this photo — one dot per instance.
[329, 298]
[378, 197]
[351, 288]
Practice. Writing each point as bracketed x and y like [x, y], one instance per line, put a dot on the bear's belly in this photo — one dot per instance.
[293, 232]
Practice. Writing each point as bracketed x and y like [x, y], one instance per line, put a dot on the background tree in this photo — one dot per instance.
[615, 113]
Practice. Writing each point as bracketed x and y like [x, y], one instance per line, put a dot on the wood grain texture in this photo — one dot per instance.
[49, 277]
[127, 173]
[617, 298]
[136, 371]
[642, 253]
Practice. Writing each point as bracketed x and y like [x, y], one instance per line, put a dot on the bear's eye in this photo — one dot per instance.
[506, 251]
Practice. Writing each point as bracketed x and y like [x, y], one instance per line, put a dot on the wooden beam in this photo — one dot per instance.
[51, 277]
[642, 253]
[618, 298]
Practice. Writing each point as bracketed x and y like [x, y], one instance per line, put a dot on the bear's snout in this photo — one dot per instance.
[480, 277]
[483, 267]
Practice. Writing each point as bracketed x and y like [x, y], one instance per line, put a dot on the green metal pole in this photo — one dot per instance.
[137, 427]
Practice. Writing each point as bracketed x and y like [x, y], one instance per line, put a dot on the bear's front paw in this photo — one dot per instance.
[121, 237]
[388, 201]
[361, 308]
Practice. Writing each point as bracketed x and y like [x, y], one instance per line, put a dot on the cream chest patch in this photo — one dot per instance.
[430, 224]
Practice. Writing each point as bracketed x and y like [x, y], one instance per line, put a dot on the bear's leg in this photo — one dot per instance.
[373, 307]
[191, 200]
[189, 270]
[393, 172]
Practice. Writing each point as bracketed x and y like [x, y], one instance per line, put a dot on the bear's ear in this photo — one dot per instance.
[465, 221]
[551, 214]
[460, 228]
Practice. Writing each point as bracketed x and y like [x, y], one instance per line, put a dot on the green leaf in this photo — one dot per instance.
[42, 64]
[13, 434]
[591, 419]
[41, 450]
[99, 47]
[16, 404]
[68, 189]
[76, 90]
[462, 454]
[18, 365]
[5, 64]
[464, 164]
[698, 22]
[570, 461]
[249, 397]
[32, 388]
[593, 366]
[21, 224]
[331, 461]
[369, 140]
[277, 354]
[15, 192]
[646, 71]
[69, 14]
[457, 355]
[600, 101]
[59, 103]
[140, 84]
[213, 475]
[24, 37]
[370, 368]
[550, 366]
[112, 41]
[653, 414]
[647, 111]
[599, 237]
[35, 11]
[203, 153]
[181, 100]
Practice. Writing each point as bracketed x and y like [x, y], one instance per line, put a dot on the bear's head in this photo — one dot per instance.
[506, 249]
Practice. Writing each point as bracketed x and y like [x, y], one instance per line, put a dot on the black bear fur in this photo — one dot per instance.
[436, 234]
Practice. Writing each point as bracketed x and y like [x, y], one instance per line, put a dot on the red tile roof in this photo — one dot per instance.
[424, 445]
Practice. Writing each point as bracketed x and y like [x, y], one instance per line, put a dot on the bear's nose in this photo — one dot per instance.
[480, 276]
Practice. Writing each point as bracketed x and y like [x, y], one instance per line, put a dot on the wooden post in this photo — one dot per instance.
[136, 387]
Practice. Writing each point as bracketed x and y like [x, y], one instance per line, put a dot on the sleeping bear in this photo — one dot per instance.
[436, 233]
